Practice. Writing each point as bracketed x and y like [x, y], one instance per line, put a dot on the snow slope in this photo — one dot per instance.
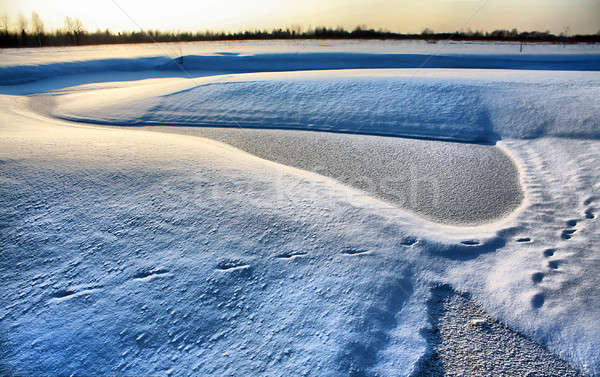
[128, 252]
[154, 253]
[461, 105]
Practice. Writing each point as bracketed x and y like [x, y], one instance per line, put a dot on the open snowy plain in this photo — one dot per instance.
[307, 208]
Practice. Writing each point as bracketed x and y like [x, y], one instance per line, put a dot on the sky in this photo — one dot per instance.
[409, 16]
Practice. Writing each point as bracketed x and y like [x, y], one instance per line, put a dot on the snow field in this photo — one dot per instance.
[133, 252]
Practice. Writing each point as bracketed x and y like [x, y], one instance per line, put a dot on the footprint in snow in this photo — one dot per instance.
[567, 234]
[354, 251]
[291, 255]
[151, 274]
[408, 241]
[549, 252]
[571, 223]
[64, 294]
[553, 264]
[537, 277]
[537, 301]
[231, 264]
[523, 239]
[589, 213]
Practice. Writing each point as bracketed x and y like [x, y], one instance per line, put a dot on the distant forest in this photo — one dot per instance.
[31, 33]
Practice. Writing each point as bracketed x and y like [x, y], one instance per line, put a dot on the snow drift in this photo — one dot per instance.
[473, 106]
[274, 62]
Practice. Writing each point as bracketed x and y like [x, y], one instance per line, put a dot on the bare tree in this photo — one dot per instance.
[4, 22]
[74, 27]
[296, 29]
[37, 27]
[22, 23]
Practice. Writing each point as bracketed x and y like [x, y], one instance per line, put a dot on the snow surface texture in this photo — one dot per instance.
[466, 338]
[453, 183]
[133, 252]
[129, 252]
[461, 105]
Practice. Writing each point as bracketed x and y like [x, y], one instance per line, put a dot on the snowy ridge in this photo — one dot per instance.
[273, 62]
[450, 105]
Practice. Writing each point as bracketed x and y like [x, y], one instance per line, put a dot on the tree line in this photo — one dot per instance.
[31, 33]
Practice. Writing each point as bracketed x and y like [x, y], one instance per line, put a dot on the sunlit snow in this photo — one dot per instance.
[163, 250]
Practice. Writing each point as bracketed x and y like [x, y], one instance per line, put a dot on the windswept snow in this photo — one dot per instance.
[125, 251]
[461, 105]
[129, 252]
[452, 183]
[27, 65]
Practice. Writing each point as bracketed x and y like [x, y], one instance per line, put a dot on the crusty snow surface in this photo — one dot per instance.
[131, 252]
[467, 341]
[451, 183]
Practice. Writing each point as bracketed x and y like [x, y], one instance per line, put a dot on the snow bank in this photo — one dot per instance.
[20, 74]
[328, 60]
[462, 105]
[273, 62]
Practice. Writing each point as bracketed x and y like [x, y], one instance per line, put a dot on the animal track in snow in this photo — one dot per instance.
[229, 265]
[589, 213]
[353, 251]
[537, 301]
[408, 241]
[291, 255]
[64, 294]
[549, 252]
[567, 234]
[553, 264]
[147, 275]
[537, 277]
